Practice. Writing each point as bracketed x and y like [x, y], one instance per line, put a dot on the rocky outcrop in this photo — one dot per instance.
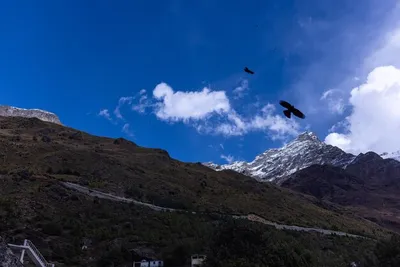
[8, 111]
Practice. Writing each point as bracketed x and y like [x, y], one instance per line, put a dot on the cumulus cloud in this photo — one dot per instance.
[184, 106]
[210, 112]
[241, 90]
[374, 122]
[105, 113]
[334, 100]
[228, 158]
[127, 130]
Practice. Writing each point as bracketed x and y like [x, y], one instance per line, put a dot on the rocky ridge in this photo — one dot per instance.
[275, 164]
[8, 111]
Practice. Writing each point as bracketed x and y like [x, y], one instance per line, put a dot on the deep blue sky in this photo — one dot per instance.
[75, 58]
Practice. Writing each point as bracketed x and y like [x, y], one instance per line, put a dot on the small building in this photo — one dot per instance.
[197, 260]
[149, 263]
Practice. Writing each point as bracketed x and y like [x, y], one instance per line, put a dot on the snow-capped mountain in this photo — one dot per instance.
[43, 115]
[393, 155]
[276, 164]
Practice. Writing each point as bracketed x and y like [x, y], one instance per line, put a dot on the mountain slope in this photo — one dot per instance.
[376, 170]
[58, 221]
[29, 113]
[35, 156]
[275, 164]
[150, 175]
[374, 197]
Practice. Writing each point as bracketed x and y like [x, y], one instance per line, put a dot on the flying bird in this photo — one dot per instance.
[248, 71]
[291, 109]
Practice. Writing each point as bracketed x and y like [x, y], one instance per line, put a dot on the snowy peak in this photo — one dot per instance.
[307, 136]
[275, 165]
[8, 111]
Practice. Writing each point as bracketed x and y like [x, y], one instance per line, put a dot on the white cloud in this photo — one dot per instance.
[374, 122]
[228, 158]
[184, 106]
[240, 90]
[144, 103]
[121, 102]
[222, 146]
[334, 100]
[388, 52]
[277, 126]
[127, 130]
[210, 112]
[105, 113]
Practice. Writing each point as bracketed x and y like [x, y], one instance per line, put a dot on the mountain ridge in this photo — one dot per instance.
[10, 111]
[275, 164]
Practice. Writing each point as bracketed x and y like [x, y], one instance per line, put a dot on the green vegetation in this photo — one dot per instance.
[57, 220]
[239, 243]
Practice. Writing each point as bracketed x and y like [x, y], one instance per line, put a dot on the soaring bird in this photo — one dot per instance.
[246, 69]
[291, 109]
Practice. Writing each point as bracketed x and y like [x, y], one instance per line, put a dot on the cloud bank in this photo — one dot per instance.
[374, 123]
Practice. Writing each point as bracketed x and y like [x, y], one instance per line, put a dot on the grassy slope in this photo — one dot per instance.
[151, 175]
[57, 220]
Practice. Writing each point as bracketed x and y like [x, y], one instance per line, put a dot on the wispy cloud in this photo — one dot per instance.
[144, 102]
[241, 90]
[127, 130]
[105, 114]
[228, 158]
[123, 100]
[334, 100]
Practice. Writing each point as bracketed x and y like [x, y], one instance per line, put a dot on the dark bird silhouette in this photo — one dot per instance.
[248, 71]
[291, 109]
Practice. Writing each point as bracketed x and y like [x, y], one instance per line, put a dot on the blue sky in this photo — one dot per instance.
[79, 58]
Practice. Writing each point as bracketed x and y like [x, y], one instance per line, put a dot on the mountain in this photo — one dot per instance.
[275, 164]
[36, 156]
[29, 113]
[369, 186]
[376, 170]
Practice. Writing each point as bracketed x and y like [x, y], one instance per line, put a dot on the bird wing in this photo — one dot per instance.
[287, 113]
[285, 104]
[298, 113]
[248, 71]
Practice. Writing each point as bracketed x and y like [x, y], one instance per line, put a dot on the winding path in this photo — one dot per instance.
[250, 217]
